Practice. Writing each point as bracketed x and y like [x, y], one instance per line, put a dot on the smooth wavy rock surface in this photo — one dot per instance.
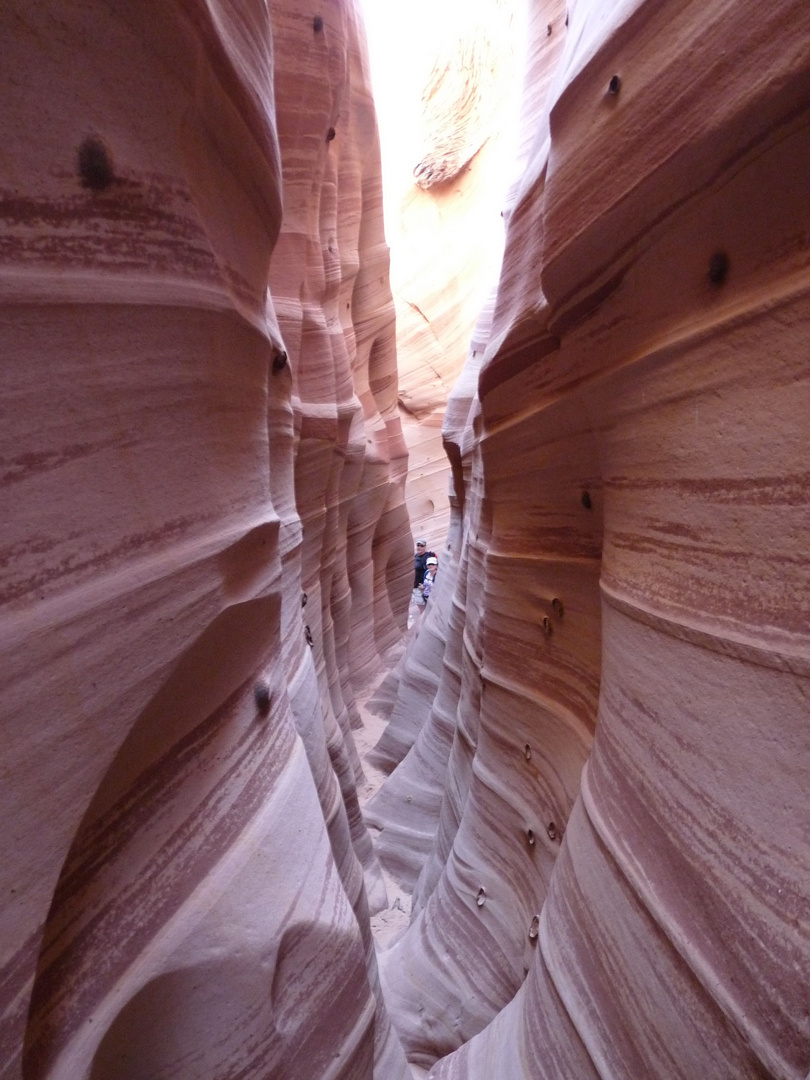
[186, 459]
[618, 885]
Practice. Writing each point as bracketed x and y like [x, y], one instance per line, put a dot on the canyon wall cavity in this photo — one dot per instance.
[603, 812]
[204, 542]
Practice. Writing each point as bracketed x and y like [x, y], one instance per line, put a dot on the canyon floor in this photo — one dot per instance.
[389, 924]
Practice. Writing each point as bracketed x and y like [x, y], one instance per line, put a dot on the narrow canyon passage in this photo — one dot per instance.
[266, 816]
[573, 807]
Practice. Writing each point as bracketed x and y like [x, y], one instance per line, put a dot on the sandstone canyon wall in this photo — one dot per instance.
[188, 460]
[599, 736]
[603, 814]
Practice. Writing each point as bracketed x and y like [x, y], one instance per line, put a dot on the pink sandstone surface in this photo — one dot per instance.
[617, 759]
[186, 458]
[598, 739]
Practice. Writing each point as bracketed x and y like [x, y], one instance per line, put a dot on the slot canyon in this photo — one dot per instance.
[265, 817]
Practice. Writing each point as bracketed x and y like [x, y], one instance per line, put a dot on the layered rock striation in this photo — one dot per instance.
[204, 544]
[598, 740]
[617, 868]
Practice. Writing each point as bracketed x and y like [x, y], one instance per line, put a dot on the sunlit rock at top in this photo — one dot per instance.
[465, 90]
